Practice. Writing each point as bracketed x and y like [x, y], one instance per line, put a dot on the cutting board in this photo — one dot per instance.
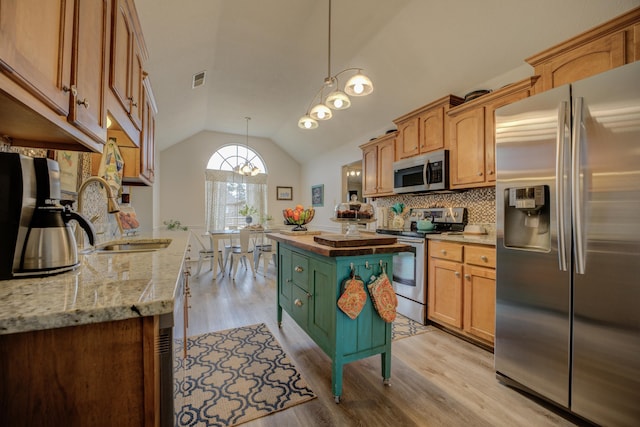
[342, 241]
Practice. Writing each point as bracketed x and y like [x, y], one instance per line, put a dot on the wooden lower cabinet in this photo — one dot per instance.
[102, 374]
[461, 288]
[309, 286]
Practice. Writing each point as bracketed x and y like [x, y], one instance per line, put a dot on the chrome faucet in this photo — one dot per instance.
[112, 203]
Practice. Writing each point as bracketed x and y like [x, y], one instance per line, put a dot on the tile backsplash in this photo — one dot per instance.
[480, 203]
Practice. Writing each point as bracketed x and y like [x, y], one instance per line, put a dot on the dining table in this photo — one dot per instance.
[217, 236]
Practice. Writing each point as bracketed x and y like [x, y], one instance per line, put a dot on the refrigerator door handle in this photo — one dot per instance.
[560, 186]
[576, 186]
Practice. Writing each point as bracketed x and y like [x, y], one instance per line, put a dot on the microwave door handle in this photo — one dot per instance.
[427, 173]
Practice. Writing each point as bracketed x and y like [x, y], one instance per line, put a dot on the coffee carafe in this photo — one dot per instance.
[35, 236]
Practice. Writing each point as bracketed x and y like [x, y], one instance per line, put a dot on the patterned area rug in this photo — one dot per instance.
[234, 376]
[404, 327]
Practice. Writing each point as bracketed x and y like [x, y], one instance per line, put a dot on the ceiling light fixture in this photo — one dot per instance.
[357, 85]
[247, 168]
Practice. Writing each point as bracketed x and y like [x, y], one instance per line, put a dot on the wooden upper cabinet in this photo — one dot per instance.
[610, 45]
[88, 74]
[377, 164]
[471, 135]
[425, 129]
[126, 70]
[35, 48]
[467, 157]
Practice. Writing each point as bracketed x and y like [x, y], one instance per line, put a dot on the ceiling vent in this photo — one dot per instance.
[198, 79]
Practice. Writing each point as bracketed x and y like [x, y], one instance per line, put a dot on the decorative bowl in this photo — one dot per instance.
[298, 217]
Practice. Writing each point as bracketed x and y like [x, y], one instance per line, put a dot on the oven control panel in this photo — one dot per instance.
[437, 215]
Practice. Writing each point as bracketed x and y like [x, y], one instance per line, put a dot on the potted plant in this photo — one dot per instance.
[247, 211]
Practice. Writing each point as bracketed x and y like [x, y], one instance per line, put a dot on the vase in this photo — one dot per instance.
[248, 219]
[398, 222]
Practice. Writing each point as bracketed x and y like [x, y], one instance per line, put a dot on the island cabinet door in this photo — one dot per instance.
[322, 303]
[285, 282]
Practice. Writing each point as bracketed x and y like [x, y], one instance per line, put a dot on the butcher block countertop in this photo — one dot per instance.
[105, 287]
[307, 242]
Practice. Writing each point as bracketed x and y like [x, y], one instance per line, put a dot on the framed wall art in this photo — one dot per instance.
[317, 195]
[284, 193]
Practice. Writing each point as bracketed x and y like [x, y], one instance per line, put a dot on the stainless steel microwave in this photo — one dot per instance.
[426, 172]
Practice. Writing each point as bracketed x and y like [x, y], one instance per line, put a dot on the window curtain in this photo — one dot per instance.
[217, 196]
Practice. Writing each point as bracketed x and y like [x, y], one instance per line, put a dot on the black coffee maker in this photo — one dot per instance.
[35, 236]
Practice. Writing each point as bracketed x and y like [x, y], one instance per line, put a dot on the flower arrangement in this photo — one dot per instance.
[174, 224]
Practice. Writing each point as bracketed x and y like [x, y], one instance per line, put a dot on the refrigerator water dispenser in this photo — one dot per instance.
[526, 218]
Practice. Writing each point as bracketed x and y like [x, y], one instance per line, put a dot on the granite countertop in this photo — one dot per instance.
[480, 239]
[307, 242]
[105, 287]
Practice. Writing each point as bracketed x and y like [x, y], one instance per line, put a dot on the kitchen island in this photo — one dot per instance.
[85, 347]
[310, 277]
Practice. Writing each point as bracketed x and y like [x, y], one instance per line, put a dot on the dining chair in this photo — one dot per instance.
[204, 253]
[264, 249]
[242, 253]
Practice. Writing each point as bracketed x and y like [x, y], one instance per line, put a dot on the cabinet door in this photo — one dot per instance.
[300, 270]
[445, 292]
[407, 140]
[490, 129]
[386, 156]
[121, 54]
[88, 74]
[135, 86]
[467, 148]
[593, 58]
[285, 283]
[147, 144]
[370, 170]
[300, 305]
[35, 48]
[432, 130]
[480, 302]
[322, 303]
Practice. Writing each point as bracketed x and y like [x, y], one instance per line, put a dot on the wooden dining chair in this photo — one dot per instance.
[243, 253]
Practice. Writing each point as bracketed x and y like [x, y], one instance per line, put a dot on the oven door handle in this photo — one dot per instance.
[409, 240]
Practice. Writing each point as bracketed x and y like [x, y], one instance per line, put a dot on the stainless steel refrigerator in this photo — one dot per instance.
[568, 246]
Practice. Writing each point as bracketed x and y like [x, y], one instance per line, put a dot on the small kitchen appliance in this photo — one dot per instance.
[410, 268]
[35, 236]
[419, 174]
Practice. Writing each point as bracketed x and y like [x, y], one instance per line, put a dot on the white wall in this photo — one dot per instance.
[182, 167]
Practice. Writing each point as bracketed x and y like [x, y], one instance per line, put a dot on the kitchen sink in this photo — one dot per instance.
[126, 246]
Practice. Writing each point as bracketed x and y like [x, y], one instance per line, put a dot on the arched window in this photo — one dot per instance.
[229, 156]
[228, 192]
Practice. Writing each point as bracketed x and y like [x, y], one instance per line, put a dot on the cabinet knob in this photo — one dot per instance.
[443, 251]
[298, 269]
[71, 89]
[490, 172]
[479, 173]
[484, 258]
[84, 102]
[457, 273]
[466, 276]
[133, 103]
[298, 302]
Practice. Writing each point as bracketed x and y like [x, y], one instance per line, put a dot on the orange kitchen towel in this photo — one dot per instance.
[383, 297]
[353, 298]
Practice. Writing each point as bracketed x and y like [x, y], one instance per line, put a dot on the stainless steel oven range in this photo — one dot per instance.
[409, 268]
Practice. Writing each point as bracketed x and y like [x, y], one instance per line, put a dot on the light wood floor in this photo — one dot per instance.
[436, 378]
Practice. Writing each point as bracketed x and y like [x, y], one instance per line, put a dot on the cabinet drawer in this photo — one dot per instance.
[445, 250]
[480, 255]
[300, 307]
[300, 270]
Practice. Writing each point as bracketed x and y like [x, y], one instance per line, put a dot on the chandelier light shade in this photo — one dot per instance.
[357, 85]
[320, 112]
[306, 122]
[338, 100]
[247, 168]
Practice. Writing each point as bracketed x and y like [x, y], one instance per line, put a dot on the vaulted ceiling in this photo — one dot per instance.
[267, 58]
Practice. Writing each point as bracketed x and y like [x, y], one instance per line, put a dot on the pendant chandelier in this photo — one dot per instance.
[336, 99]
[247, 168]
